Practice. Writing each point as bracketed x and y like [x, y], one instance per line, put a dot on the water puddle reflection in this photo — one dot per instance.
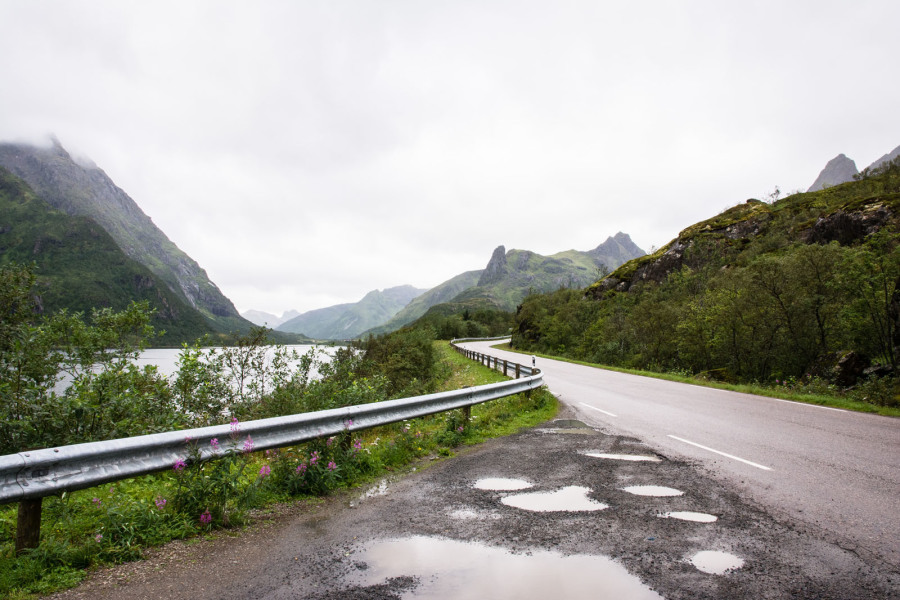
[449, 570]
[690, 516]
[501, 484]
[572, 498]
[467, 514]
[715, 562]
[652, 490]
[627, 457]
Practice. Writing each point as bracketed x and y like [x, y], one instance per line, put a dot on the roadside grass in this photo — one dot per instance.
[820, 394]
[115, 523]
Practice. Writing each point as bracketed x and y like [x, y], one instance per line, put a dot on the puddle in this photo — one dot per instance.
[690, 516]
[572, 498]
[376, 490]
[628, 457]
[577, 431]
[449, 570]
[652, 490]
[715, 562]
[468, 514]
[501, 484]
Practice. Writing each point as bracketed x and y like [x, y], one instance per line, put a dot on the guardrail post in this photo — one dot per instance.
[28, 528]
[467, 415]
[518, 370]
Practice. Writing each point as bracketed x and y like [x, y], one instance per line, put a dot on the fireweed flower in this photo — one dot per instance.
[179, 466]
[96, 501]
[301, 469]
[235, 425]
[248, 445]
[98, 537]
[329, 441]
[206, 518]
[460, 429]
[215, 444]
[357, 445]
[331, 466]
[348, 424]
[160, 502]
[265, 470]
[314, 458]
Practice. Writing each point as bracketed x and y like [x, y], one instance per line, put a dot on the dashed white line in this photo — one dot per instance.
[599, 409]
[731, 456]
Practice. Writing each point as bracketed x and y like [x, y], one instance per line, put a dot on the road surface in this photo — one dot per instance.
[835, 471]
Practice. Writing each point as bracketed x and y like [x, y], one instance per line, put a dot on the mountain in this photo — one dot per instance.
[264, 319]
[511, 275]
[839, 169]
[442, 293]
[893, 154]
[80, 189]
[347, 321]
[78, 266]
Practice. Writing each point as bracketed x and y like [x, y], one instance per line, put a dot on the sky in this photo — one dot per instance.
[307, 152]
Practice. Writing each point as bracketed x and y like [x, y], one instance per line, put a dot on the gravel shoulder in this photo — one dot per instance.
[318, 549]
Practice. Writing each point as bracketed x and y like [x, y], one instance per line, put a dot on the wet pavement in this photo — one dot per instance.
[534, 515]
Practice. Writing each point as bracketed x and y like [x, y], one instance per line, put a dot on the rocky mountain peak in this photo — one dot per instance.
[497, 268]
[839, 169]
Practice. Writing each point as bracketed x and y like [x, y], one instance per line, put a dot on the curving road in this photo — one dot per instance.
[837, 472]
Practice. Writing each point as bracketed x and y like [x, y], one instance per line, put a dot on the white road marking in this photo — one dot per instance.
[595, 408]
[743, 460]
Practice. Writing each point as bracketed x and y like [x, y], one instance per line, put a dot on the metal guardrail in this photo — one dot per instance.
[29, 476]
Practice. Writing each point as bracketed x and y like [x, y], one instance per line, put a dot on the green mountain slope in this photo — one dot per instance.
[85, 190]
[80, 267]
[347, 321]
[805, 287]
[511, 276]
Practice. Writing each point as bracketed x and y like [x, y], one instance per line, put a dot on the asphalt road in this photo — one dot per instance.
[835, 472]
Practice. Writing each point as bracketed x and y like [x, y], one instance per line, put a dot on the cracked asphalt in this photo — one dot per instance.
[320, 550]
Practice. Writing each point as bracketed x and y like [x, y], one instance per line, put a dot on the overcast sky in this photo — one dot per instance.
[305, 153]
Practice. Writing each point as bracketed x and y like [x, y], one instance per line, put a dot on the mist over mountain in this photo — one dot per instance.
[264, 319]
[80, 188]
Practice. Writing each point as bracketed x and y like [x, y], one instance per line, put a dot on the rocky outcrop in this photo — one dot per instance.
[496, 269]
[839, 169]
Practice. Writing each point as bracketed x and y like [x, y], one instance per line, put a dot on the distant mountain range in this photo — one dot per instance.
[347, 321]
[841, 169]
[84, 190]
[501, 285]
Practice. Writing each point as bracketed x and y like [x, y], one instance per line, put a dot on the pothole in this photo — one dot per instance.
[695, 517]
[625, 457]
[652, 490]
[501, 484]
[571, 498]
[716, 562]
[449, 570]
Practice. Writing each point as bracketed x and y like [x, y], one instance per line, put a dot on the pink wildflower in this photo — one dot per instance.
[301, 469]
[160, 502]
[179, 466]
[265, 470]
[248, 445]
[331, 465]
[314, 458]
[215, 444]
[206, 518]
